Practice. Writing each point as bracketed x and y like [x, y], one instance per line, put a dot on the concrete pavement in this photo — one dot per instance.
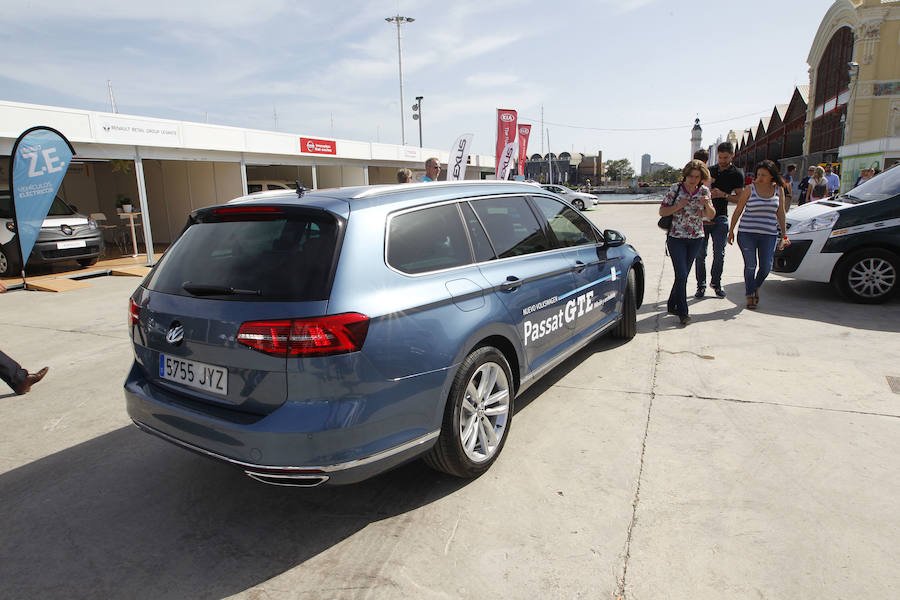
[751, 454]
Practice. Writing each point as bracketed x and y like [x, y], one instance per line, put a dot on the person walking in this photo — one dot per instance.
[789, 187]
[727, 181]
[688, 202]
[834, 182]
[12, 372]
[818, 186]
[802, 196]
[760, 209]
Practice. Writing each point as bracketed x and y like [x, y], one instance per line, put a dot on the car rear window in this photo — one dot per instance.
[284, 258]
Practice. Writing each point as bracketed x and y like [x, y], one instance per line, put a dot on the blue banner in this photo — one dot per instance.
[40, 159]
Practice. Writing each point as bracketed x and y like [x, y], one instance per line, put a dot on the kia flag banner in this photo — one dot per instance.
[459, 157]
[524, 133]
[506, 134]
[39, 160]
[507, 160]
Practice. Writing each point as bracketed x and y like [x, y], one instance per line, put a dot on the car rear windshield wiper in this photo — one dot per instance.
[203, 289]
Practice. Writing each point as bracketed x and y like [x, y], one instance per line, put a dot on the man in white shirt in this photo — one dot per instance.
[833, 182]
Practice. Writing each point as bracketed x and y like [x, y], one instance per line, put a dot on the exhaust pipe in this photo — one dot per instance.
[289, 480]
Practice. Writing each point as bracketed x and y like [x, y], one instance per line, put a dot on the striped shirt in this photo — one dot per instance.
[759, 213]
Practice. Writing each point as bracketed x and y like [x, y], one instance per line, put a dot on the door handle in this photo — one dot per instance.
[579, 266]
[511, 284]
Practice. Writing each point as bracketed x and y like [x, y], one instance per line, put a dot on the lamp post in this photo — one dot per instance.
[400, 20]
[853, 73]
[417, 116]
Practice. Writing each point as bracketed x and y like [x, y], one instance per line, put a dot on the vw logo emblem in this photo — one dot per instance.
[66, 229]
[175, 334]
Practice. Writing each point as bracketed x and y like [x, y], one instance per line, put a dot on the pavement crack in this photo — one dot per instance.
[783, 405]
[703, 356]
[621, 583]
[81, 331]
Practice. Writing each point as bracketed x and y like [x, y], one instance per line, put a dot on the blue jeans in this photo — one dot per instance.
[718, 230]
[753, 245]
[682, 251]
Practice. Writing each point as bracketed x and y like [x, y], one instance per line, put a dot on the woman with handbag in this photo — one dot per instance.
[818, 186]
[762, 207]
[687, 203]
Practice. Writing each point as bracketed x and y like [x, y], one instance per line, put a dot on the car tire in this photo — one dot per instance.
[868, 276]
[626, 328]
[88, 262]
[578, 203]
[476, 419]
[9, 260]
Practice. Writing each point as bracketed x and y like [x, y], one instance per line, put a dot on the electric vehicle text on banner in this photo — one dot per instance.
[39, 161]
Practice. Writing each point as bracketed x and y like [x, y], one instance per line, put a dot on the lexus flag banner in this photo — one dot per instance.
[507, 159]
[506, 134]
[459, 157]
[39, 160]
[524, 133]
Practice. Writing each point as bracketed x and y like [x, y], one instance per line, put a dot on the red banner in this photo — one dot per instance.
[506, 133]
[314, 146]
[524, 133]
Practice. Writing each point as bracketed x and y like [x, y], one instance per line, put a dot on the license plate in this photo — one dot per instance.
[70, 244]
[202, 376]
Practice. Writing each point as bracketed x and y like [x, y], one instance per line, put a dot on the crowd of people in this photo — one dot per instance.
[699, 205]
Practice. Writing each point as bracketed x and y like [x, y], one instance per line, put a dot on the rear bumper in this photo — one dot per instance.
[298, 444]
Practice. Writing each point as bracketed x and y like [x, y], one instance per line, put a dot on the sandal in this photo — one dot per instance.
[751, 301]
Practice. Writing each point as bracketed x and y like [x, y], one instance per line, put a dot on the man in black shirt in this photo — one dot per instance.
[727, 181]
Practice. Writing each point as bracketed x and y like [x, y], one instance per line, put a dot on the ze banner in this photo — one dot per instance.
[506, 134]
[40, 158]
[524, 134]
[459, 157]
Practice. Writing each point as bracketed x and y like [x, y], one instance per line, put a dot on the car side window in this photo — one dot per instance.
[430, 239]
[569, 227]
[480, 243]
[253, 188]
[511, 226]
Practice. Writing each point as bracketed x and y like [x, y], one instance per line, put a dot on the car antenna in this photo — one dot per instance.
[300, 189]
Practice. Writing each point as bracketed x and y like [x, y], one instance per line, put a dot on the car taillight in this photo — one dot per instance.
[321, 336]
[133, 312]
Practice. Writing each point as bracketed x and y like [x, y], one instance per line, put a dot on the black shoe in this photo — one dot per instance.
[701, 291]
[720, 292]
[30, 380]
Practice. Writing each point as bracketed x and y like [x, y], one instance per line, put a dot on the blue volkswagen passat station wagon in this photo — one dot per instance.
[328, 336]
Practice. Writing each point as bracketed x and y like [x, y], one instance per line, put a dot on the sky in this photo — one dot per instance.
[625, 77]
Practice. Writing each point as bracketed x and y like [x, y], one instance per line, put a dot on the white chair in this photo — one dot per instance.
[104, 226]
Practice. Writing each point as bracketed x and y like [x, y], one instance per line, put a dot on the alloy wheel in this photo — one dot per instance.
[872, 277]
[484, 412]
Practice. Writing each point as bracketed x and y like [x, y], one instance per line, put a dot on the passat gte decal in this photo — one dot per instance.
[574, 308]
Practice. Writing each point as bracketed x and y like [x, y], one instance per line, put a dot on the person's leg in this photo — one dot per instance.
[11, 372]
[766, 252]
[720, 240]
[700, 268]
[747, 244]
[676, 255]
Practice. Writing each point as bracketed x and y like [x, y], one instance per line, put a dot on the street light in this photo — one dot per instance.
[400, 20]
[853, 73]
[417, 116]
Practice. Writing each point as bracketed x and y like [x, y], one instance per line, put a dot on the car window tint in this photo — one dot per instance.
[480, 243]
[275, 186]
[511, 226]
[285, 258]
[569, 227]
[59, 208]
[5, 206]
[253, 188]
[428, 240]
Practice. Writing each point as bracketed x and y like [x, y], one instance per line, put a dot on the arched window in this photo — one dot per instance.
[832, 91]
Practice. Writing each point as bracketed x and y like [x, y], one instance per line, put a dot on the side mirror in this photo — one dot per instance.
[612, 238]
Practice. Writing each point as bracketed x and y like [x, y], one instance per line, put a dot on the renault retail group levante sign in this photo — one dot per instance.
[314, 146]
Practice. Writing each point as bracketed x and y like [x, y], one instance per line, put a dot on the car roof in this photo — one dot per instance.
[400, 194]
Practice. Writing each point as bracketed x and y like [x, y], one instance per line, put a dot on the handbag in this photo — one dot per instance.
[666, 222]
